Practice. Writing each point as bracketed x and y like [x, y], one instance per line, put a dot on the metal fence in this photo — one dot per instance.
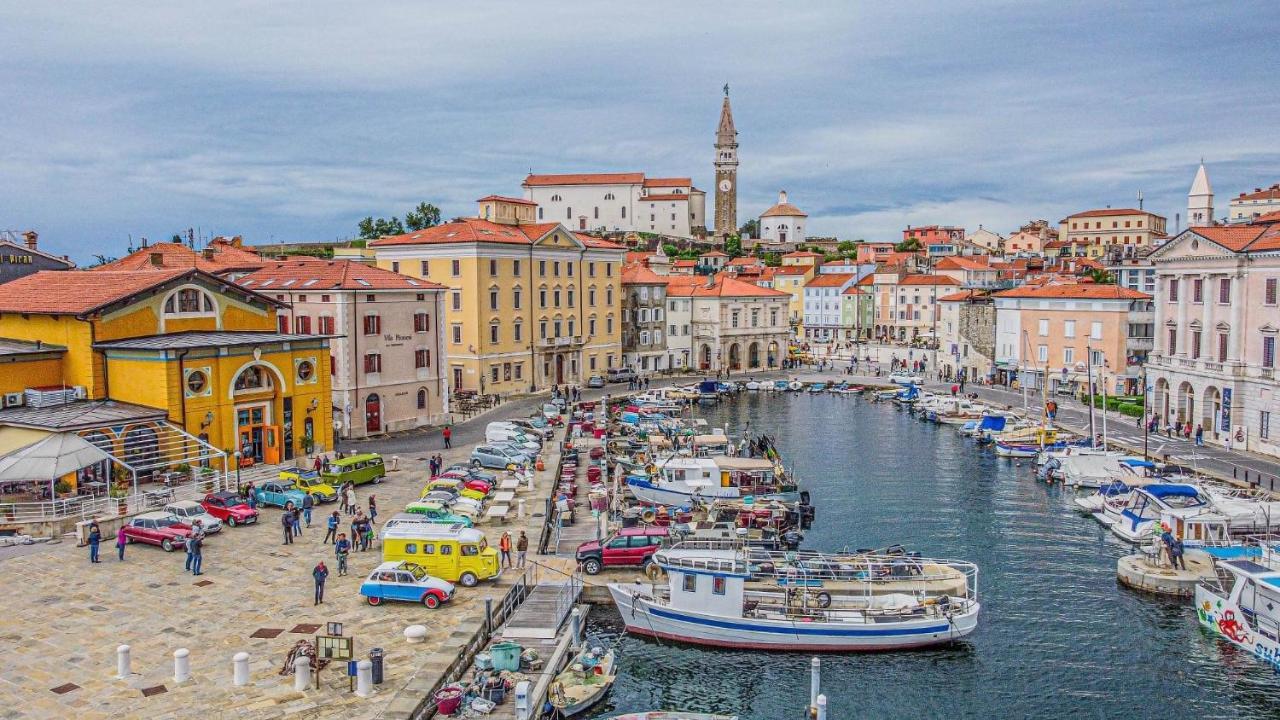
[86, 508]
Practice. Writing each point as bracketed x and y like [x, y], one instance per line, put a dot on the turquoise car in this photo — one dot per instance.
[279, 493]
[428, 511]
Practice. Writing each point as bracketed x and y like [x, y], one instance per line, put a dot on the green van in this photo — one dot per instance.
[355, 469]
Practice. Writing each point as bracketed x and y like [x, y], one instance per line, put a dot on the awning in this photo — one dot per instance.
[57, 455]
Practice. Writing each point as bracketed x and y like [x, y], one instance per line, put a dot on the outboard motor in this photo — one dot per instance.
[791, 540]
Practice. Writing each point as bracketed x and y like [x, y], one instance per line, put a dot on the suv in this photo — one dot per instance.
[629, 547]
[621, 375]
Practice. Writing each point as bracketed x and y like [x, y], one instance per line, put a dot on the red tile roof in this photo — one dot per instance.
[745, 260]
[1086, 291]
[721, 286]
[639, 274]
[962, 263]
[638, 257]
[585, 179]
[801, 254]
[853, 290]
[713, 253]
[793, 270]
[1236, 238]
[668, 182]
[928, 280]
[868, 280]
[830, 280]
[504, 198]
[78, 292]
[475, 230]
[962, 295]
[320, 274]
[1271, 193]
[784, 210]
[1271, 217]
[685, 263]
[221, 257]
[672, 196]
[1107, 212]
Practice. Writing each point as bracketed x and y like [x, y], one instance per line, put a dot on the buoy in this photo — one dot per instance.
[539, 465]
[648, 515]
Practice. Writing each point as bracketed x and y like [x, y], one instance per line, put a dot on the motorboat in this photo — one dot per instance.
[956, 411]
[1027, 442]
[584, 682]
[780, 385]
[745, 598]
[753, 386]
[1242, 605]
[795, 386]
[681, 480]
[817, 387]
[664, 715]
[1148, 506]
[1083, 468]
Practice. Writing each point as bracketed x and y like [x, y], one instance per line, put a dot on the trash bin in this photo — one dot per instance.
[375, 657]
[506, 656]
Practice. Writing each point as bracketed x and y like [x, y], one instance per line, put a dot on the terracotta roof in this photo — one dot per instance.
[785, 210]
[638, 257]
[1236, 238]
[1271, 217]
[721, 286]
[868, 280]
[74, 292]
[962, 296]
[302, 274]
[793, 270]
[853, 290]
[1271, 193]
[475, 230]
[919, 279]
[668, 182]
[585, 179]
[1107, 212]
[685, 263]
[639, 274]
[713, 253]
[745, 260]
[504, 198]
[802, 253]
[1088, 291]
[830, 280]
[221, 257]
[961, 263]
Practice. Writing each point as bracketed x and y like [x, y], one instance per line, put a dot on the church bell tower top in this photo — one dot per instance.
[725, 133]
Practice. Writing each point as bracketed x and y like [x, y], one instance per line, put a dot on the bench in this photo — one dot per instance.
[498, 512]
[509, 484]
[504, 497]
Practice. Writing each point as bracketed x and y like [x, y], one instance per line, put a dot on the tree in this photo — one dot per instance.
[750, 229]
[847, 247]
[371, 229]
[422, 217]
[733, 246]
[1101, 276]
[772, 259]
[908, 245]
[670, 250]
[100, 260]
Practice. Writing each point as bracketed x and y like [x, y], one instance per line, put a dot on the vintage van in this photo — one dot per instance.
[452, 552]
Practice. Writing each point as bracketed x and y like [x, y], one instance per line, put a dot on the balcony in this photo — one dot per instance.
[567, 341]
[1213, 366]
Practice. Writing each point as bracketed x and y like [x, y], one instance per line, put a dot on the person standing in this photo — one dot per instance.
[317, 464]
[447, 434]
[320, 573]
[251, 496]
[332, 532]
[373, 509]
[522, 548]
[351, 498]
[297, 521]
[1199, 435]
[286, 521]
[307, 504]
[95, 537]
[196, 546]
[504, 548]
[186, 544]
[121, 541]
[341, 550]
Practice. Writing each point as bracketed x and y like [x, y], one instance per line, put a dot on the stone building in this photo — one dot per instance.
[726, 166]
[644, 304]
[736, 326]
[967, 331]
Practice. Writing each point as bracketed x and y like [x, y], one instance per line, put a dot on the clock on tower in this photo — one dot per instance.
[726, 165]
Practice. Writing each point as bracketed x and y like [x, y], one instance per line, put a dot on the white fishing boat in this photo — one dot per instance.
[795, 386]
[1140, 518]
[801, 601]
[584, 683]
[752, 385]
[1085, 468]
[682, 480]
[1243, 607]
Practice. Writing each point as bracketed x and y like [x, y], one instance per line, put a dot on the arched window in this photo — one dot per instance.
[568, 213]
[556, 198]
[422, 398]
[624, 212]
[608, 196]
[254, 378]
[189, 301]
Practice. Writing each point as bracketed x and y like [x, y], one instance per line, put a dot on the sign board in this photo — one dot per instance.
[333, 647]
[1226, 410]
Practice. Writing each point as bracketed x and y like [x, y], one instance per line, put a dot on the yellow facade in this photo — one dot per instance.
[793, 283]
[520, 316]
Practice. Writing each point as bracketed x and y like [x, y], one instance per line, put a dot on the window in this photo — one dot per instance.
[493, 267]
[1195, 343]
[608, 296]
[542, 268]
[188, 301]
[455, 268]
[493, 332]
[568, 213]
[506, 372]
[326, 325]
[608, 326]
[1044, 328]
[542, 329]
[303, 323]
[455, 299]
[1173, 289]
[197, 381]
[596, 212]
[591, 326]
[1269, 351]
[373, 363]
[519, 370]
[1173, 341]
[395, 267]
[569, 296]
[516, 334]
[1222, 347]
[644, 337]
[591, 296]
[608, 269]
[421, 322]
[1098, 358]
[515, 298]
[424, 268]
[591, 269]
[733, 318]
[1095, 330]
[555, 296]
[422, 398]
[494, 372]
[1043, 353]
[690, 582]
[1224, 291]
[624, 212]
[555, 268]
[493, 299]
[422, 359]
[1197, 290]
[456, 333]
[1069, 328]
[1269, 296]
[372, 325]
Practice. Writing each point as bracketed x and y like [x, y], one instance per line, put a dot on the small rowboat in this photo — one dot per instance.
[584, 683]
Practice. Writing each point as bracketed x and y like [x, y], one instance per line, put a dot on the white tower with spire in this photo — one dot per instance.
[1200, 200]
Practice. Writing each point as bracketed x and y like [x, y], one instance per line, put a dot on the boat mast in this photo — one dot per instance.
[1088, 358]
[1104, 408]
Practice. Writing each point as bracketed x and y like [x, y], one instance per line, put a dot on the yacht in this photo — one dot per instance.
[1242, 604]
[681, 480]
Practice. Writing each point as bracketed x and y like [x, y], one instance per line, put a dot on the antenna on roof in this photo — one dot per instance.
[1139, 199]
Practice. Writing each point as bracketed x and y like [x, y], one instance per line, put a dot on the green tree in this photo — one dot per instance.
[422, 217]
[1101, 276]
[750, 228]
[100, 260]
[371, 229]
[847, 248]
[908, 245]
[670, 250]
[772, 259]
[733, 246]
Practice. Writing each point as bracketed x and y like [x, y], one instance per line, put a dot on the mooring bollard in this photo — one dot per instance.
[575, 617]
[364, 678]
[520, 508]
[822, 707]
[301, 673]
[815, 681]
[122, 662]
[240, 669]
[415, 634]
[528, 478]
[181, 665]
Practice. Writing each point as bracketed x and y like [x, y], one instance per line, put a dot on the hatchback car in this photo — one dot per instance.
[157, 528]
[496, 456]
[428, 511]
[405, 581]
[629, 547]
[540, 429]
[906, 379]
[310, 482]
[230, 508]
[189, 511]
[279, 493]
[595, 381]
[472, 473]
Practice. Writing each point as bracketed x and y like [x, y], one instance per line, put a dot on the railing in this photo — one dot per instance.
[562, 341]
[1186, 363]
[1214, 366]
[86, 508]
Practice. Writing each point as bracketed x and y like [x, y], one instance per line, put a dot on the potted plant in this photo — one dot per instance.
[61, 487]
[119, 493]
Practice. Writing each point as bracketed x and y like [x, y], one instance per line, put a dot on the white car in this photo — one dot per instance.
[901, 378]
[189, 511]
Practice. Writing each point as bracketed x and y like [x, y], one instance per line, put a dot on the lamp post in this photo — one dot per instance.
[1146, 412]
[237, 455]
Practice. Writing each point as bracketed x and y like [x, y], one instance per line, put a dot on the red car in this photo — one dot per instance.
[157, 528]
[230, 508]
[632, 547]
[470, 483]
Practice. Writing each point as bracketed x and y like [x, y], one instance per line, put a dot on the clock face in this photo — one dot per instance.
[725, 185]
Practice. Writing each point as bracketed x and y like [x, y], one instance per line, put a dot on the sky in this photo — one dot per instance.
[289, 121]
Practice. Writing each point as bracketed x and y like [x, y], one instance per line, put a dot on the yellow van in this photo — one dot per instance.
[452, 552]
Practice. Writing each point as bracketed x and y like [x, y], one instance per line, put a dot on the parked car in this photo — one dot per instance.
[230, 508]
[551, 413]
[621, 375]
[595, 381]
[450, 498]
[629, 547]
[468, 481]
[428, 511]
[310, 482]
[463, 489]
[157, 528]
[279, 493]
[405, 581]
[472, 473]
[496, 456]
[539, 430]
[356, 469]
[902, 378]
[189, 511]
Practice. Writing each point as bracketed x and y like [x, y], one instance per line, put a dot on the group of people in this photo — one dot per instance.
[435, 464]
[635, 383]
[573, 393]
[504, 549]
[1174, 428]
[95, 540]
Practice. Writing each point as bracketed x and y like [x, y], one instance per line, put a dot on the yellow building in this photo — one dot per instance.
[1123, 228]
[529, 304]
[181, 345]
[791, 278]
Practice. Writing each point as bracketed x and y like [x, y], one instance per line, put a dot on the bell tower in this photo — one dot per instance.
[726, 172]
[1200, 199]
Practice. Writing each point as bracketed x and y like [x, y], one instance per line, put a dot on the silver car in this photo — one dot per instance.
[189, 511]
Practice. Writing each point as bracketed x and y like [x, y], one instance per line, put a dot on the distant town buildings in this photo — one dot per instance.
[1247, 207]
[20, 256]
[616, 202]
[1099, 230]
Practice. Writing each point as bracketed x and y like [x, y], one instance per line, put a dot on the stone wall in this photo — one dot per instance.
[978, 328]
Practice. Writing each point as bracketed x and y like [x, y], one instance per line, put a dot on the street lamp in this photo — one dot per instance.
[238, 456]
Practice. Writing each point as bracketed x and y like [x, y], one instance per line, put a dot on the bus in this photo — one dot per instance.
[355, 469]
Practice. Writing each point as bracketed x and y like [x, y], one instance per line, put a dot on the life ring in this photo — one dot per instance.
[649, 516]
[823, 599]
[654, 572]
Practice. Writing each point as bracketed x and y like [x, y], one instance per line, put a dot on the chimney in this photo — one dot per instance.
[208, 253]
[782, 197]
[711, 282]
[31, 237]
[157, 259]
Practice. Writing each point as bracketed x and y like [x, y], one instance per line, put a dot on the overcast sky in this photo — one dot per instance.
[289, 121]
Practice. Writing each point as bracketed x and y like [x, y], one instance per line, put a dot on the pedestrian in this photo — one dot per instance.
[366, 534]
[1174, 547]
[286, 521]
[954, 389]
[373, 509]
[1199, 436]
[95, 537]
[350, 496]
[317, 465]
[252, 496]
[504, 548]
[332, 532]
[522, 548]
[186, 544]
[357, 529]
[121, 541]
[447, 434]
[196, 545]
[320, 573]
[297, 521]
[341, 550]
[307, 504]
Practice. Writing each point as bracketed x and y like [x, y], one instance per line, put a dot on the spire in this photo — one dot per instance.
[1200, 199]
[1200, 186]
[725, 133]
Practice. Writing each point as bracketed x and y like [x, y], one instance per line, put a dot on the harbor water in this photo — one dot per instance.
[1058, 637]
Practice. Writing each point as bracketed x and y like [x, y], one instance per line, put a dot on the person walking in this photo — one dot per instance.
[366, 533]
[95, 537]
[1199, 435]
[317, 464]
[121, 541]
[447, 434]
[307, 504]
[186, 544]
[297, 521]
[332, 532]
[286, 521]
[373, 509]
[504, 548]
[196, 546]
[522, 548]
[341, 550]
[320, 573]
[251, 496]
[351, 498]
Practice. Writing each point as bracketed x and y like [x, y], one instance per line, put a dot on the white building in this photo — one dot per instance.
[736, 325]
[679, 331]
[1200, 200]
[989, 241]
[822, 304]
[783, 223]
[1249, 206]
[619, 202]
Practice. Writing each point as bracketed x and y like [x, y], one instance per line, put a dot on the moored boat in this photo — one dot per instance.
[584, 683]
[1243, 607]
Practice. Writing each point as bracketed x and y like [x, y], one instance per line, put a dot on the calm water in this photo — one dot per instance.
[1058, 637]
